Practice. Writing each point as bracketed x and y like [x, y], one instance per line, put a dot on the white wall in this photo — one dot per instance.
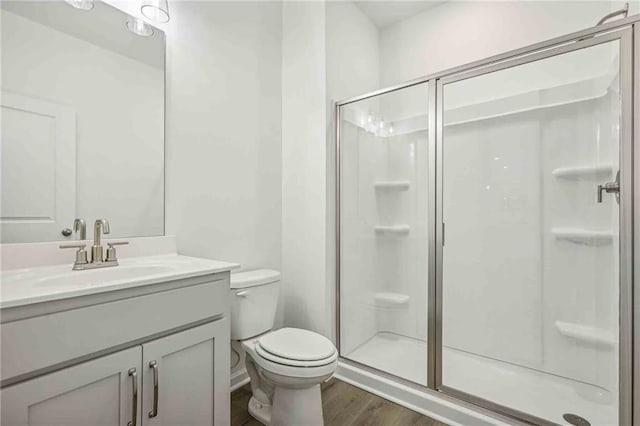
[352, 69]
[352, 52]
[330, 52]
[304, 275]
[119, 108]
[224, 131]
[458, 32]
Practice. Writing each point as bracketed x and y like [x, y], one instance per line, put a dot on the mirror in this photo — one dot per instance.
[82, 121]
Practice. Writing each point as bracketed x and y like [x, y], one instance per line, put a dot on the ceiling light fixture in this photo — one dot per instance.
[139, 27]
[81, 4]
[155, 10]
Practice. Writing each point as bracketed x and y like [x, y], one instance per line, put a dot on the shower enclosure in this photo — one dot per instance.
[485, 233]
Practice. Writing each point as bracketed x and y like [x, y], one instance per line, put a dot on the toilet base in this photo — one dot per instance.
[297, 407]
[291, 407]
[285, 395]
[259, 411]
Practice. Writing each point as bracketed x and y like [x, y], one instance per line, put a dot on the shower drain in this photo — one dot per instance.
[576, 420]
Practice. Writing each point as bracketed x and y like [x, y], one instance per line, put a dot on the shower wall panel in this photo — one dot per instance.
[492, 267]
[530, 272]
[383, 282]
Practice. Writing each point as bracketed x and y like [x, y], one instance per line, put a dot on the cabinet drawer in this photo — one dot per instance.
[41, 342]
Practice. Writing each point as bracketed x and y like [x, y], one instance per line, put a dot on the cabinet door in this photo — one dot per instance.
[98, 392]
[191, 369]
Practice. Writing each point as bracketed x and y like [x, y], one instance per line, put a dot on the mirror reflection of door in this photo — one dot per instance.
[38, 169]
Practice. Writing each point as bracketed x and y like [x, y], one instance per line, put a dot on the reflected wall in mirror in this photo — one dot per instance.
[83, 121]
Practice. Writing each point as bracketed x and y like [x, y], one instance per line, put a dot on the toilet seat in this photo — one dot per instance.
[292, 362]
[296, 347]
[312, 346]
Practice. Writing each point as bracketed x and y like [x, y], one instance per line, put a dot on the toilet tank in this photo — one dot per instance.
[254, 298]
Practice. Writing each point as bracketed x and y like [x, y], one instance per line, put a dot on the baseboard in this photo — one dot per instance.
[239, 378]
[428, 403]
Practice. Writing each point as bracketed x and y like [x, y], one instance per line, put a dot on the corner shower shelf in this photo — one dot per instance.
[389, 230]
[583, 236]
[586, 334]
[390, 300]
[392, 185]
[583, 172]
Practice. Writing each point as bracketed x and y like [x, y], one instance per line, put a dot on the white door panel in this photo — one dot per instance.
[38, 169]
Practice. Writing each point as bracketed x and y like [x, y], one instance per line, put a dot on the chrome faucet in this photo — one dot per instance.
[97, 259]
[96, 248]
[79, 225]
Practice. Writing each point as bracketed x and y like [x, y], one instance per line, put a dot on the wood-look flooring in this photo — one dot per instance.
[343, 405]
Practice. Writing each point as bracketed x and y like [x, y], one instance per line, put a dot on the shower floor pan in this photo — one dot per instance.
[531, 391]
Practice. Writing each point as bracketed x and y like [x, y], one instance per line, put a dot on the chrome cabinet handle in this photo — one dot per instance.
[154, 366]
[243, 293]
[134, 402]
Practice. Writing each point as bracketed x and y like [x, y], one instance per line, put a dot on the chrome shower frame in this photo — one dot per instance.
[627, 31]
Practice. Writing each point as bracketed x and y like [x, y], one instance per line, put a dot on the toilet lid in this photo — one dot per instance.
[294, 363]
[297, 344]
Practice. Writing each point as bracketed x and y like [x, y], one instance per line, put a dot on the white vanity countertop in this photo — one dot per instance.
[19, 287]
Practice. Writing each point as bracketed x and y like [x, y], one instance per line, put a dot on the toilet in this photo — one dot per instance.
[286, 366]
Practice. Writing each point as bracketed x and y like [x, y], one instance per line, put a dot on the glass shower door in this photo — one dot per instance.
[531, 277]
[383, 232]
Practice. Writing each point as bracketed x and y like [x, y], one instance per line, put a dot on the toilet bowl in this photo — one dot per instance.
[286, 366]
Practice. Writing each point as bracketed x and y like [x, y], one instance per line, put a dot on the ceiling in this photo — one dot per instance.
[388, 12]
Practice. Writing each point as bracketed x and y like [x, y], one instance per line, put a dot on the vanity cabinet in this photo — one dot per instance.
[75, 361]
[97, 392]
[179, 379]
[191, 372]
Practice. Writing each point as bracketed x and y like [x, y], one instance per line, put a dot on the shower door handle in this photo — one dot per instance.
[610, 188]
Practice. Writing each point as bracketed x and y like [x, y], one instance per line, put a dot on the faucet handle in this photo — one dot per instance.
[117, 243]
[79, 246]
[81, 254]
[111, 250]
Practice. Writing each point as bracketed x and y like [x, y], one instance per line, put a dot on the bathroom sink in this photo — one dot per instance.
[40, 284]
[99, 276]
